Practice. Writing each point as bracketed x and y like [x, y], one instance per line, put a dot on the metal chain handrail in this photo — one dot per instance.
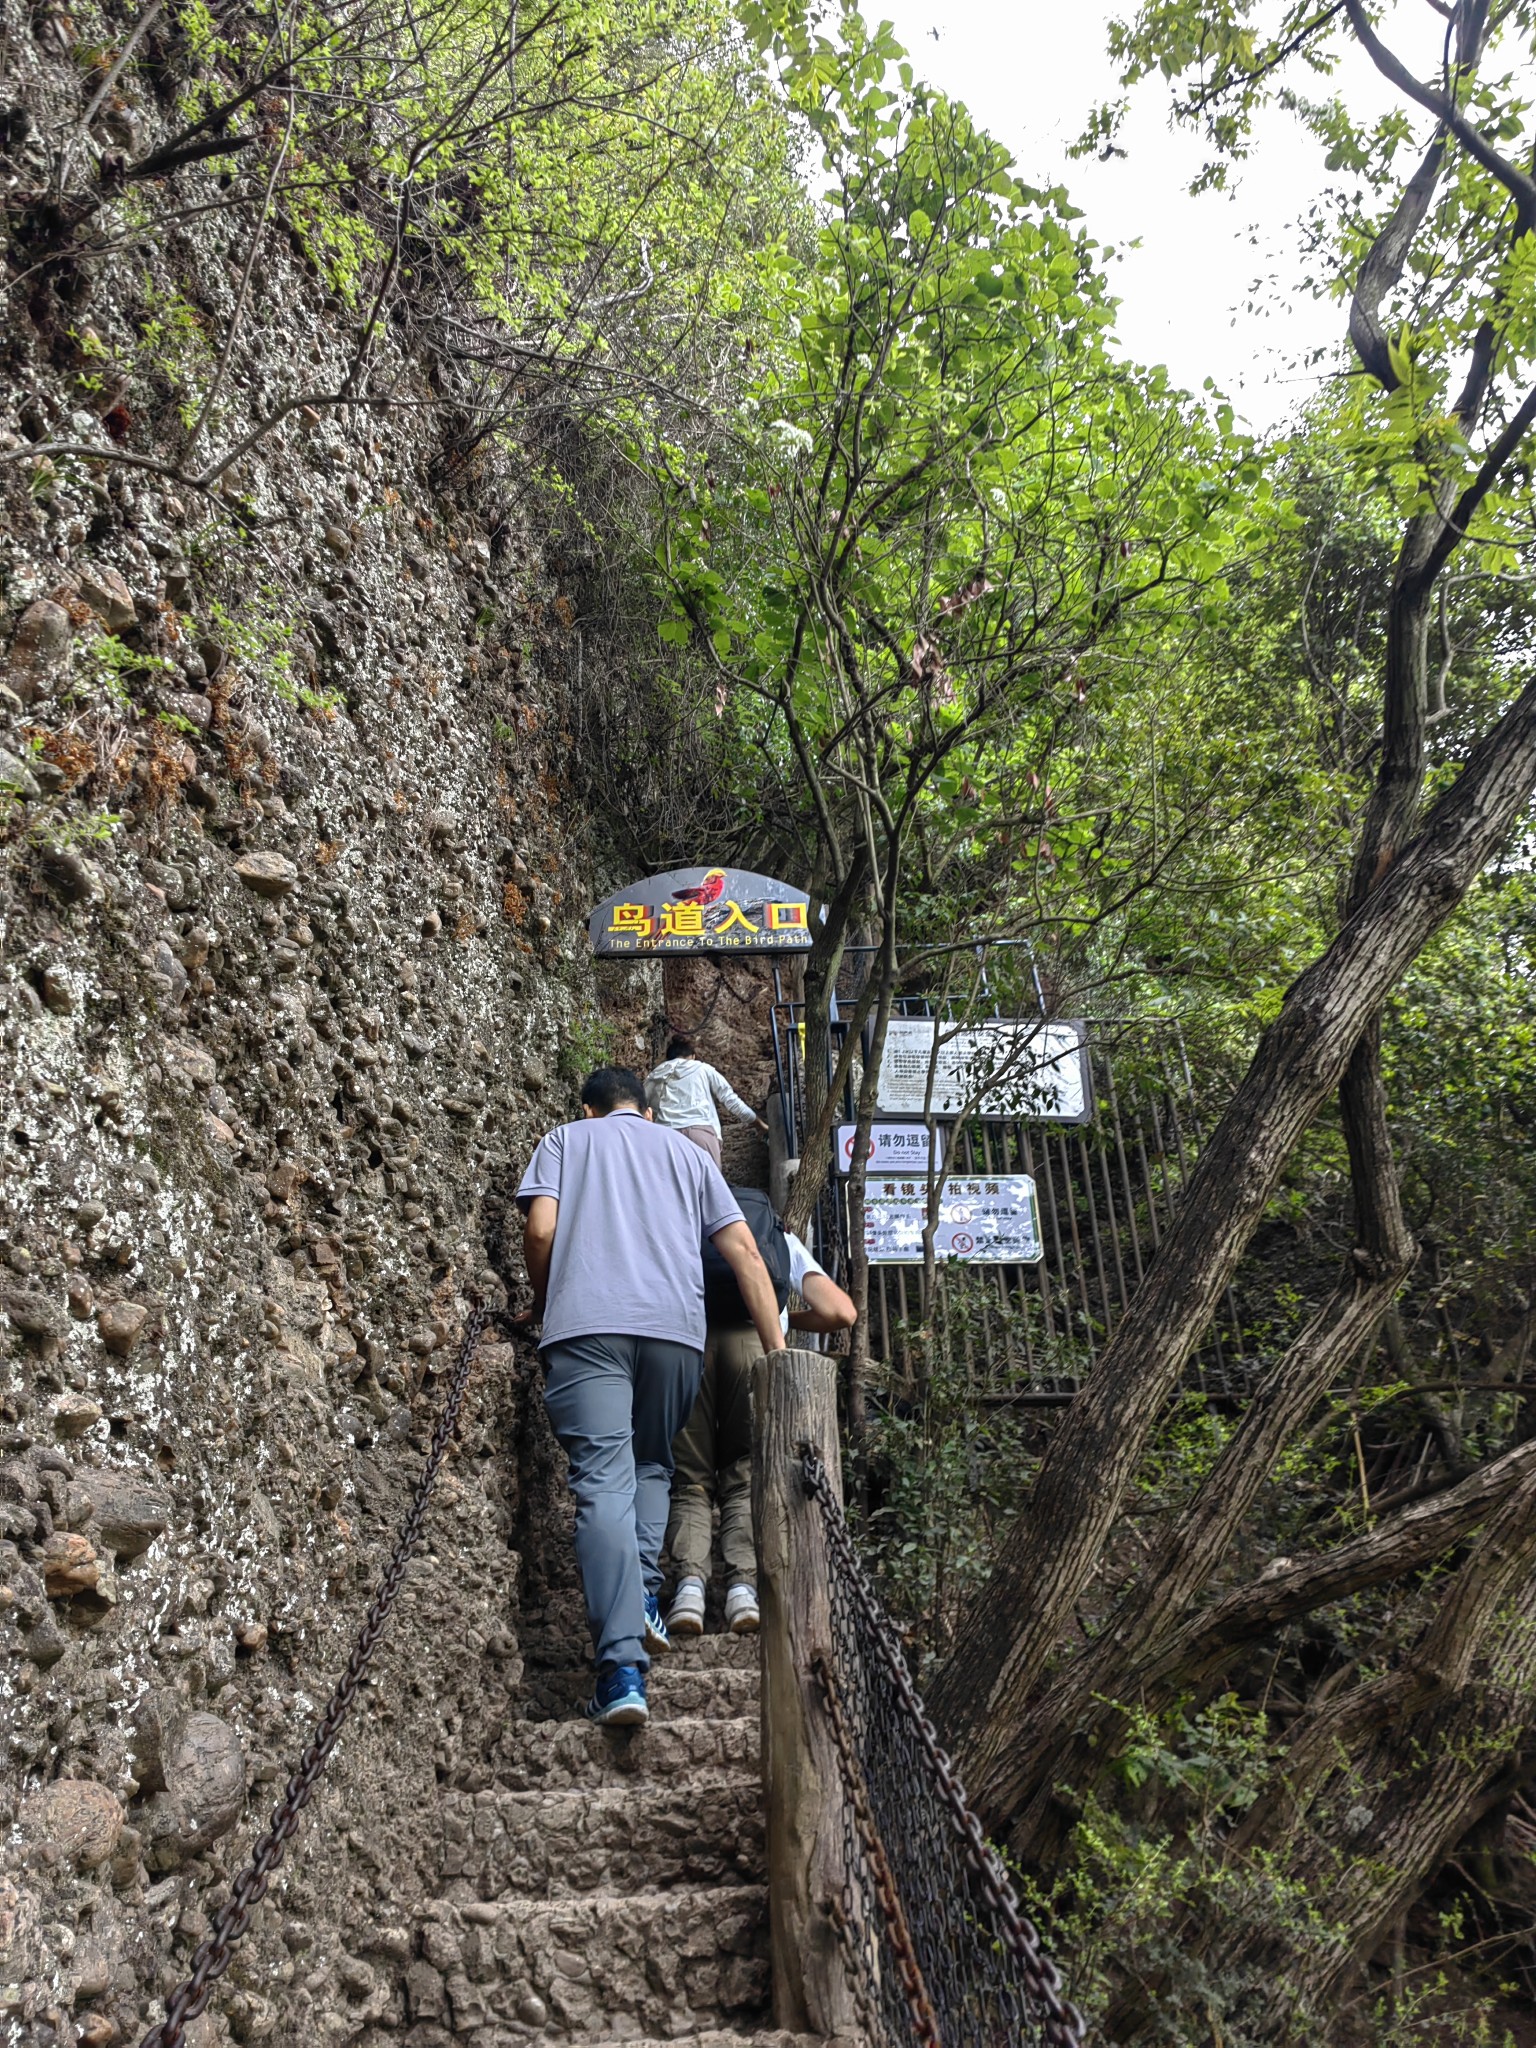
[925, 2021]
[215, 1953]
[1059, 2024]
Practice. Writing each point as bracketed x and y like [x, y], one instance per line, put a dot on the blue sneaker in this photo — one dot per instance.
[656, 1637]
[619, 1701]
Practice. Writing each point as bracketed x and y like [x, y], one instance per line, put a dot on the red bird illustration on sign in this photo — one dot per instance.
[710, 890]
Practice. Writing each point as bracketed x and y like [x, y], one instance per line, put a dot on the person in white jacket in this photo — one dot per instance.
[684, 1090]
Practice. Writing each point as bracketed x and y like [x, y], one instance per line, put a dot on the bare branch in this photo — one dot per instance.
[1490, 470]
[145, 22]
[1520, 186]
[216, 383]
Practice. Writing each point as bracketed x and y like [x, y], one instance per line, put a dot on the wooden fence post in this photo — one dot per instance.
[796, 1403]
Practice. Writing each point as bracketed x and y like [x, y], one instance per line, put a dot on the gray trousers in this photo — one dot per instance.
[615, 1404]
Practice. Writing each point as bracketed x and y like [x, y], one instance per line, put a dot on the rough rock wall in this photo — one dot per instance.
[291, 969]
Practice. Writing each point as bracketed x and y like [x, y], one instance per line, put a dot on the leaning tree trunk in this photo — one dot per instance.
[1073, 1733]
[1372, 1793]
[984, 1692]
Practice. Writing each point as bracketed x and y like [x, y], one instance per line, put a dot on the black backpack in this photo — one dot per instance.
[722, 1297]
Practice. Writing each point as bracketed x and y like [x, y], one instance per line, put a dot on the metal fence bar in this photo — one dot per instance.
[1095, 1233]
[1099, 1152]
[1012, 1280]
[1146, 1180]
[1045, 1277]
[1125, 1176]
[1077, 1241]
[904, 1315]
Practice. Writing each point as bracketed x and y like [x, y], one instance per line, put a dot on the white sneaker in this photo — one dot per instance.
[685, 1617]
[741, 1615]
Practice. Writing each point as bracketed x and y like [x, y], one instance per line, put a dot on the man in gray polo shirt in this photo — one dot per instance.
[616, 1208]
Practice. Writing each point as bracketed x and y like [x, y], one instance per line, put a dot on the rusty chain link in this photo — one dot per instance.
[925, 2021]
[947, 1937]
[837, 1911]
[215, 1954]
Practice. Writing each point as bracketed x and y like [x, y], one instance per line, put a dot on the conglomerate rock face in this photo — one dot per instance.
[292, 972]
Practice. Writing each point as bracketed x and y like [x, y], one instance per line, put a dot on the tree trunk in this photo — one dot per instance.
[1373, 1791]
[1075, 1743]
[1287, 1587]
[1378, 1787]
[822, 967]
[1071, 1737]
[1048, 1557]
[815, 1137]
[858, 1180]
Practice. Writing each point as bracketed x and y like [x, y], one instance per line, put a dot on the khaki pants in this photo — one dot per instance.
[712, 1459]
[708, 1141]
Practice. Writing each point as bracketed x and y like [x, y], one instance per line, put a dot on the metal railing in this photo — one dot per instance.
[1107, 1191]
[937, 1949]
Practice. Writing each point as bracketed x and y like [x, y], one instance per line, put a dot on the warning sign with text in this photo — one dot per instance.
[892, 1148]
[993, 1220]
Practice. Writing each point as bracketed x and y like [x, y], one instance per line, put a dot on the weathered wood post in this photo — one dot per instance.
[796, 1403]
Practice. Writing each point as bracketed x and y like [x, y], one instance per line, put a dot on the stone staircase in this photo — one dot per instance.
[607, 1886]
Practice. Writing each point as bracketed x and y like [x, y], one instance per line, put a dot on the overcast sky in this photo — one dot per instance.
[1030, 72]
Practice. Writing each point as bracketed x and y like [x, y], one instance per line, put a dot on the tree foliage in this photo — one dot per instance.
[964, 648]
[897, 575]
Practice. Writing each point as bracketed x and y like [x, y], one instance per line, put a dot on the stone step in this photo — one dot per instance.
[635, 1837]
[562, 1649]
[774, 2038]
[669, 1963]
[675, 1686]
[552, 1756]
[741, 1652]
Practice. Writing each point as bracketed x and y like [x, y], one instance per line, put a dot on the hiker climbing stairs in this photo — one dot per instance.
[607, 1885]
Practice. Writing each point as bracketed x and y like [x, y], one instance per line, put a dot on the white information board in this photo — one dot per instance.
[1016, 1066]
[893, 1148]
[993, 1220]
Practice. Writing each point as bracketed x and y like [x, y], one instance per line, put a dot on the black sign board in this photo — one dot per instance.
[702, 910]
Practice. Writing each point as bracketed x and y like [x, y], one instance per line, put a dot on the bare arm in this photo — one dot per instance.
[538, 1243]
[826, 1306]
[738, 1247]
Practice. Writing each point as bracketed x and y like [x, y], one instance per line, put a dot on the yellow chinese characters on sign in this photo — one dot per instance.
[682, 921]
[698, 911]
